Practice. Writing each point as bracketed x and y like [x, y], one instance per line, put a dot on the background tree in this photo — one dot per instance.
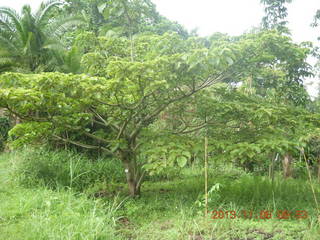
[271, 65]
[276, 13]
[247, 117]
[32, 40]
[122, 17]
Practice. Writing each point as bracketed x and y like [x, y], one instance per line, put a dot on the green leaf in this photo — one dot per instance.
[102, 7]
[229, 60]
[186, 154]
[182, 161]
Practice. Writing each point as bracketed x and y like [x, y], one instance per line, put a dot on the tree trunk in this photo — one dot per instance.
[249, 166]
[133, 173]
[286, 163]
[271, 168]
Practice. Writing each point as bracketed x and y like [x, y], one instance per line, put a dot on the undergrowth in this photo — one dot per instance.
[70, 204]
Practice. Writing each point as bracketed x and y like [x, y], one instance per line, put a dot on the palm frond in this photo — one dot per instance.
[5, 25]
[6, 60]
[27, 44]
[7, 45]
[62, 25]
[53, 45]
[7, 33]
[72, 61]
[45, 8]
[11, 14]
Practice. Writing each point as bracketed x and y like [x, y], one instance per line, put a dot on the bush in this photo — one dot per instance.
[56, 169]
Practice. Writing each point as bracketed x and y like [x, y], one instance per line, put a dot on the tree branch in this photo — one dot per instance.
[79, 144]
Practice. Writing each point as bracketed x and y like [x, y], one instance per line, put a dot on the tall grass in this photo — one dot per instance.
[43, 214]
[62, 169]
[39, 213]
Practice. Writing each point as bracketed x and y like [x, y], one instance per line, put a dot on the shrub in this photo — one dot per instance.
[61, 169]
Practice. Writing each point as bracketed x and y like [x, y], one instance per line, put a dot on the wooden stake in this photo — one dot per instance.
[206, 174]
[311, 185]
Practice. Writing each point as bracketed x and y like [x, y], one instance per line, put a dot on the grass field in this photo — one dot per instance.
[169, 208]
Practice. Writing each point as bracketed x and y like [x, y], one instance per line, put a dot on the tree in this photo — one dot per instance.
[276, 13]
[255, 117]
[316, 19]
[123, 17]
[271, 65]
[32, 40]
[248, 129]
[89, 9]
[137, 86]
[131, 87]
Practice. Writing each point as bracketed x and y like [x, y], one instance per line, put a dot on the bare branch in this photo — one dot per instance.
[192, 130]
[103, 121]
[26, 117]
[79, 144]
[96, 138]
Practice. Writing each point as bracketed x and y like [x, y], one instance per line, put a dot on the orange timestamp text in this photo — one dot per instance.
[264, 214]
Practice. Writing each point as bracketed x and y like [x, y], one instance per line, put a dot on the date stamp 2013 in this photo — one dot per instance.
[264, 214]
